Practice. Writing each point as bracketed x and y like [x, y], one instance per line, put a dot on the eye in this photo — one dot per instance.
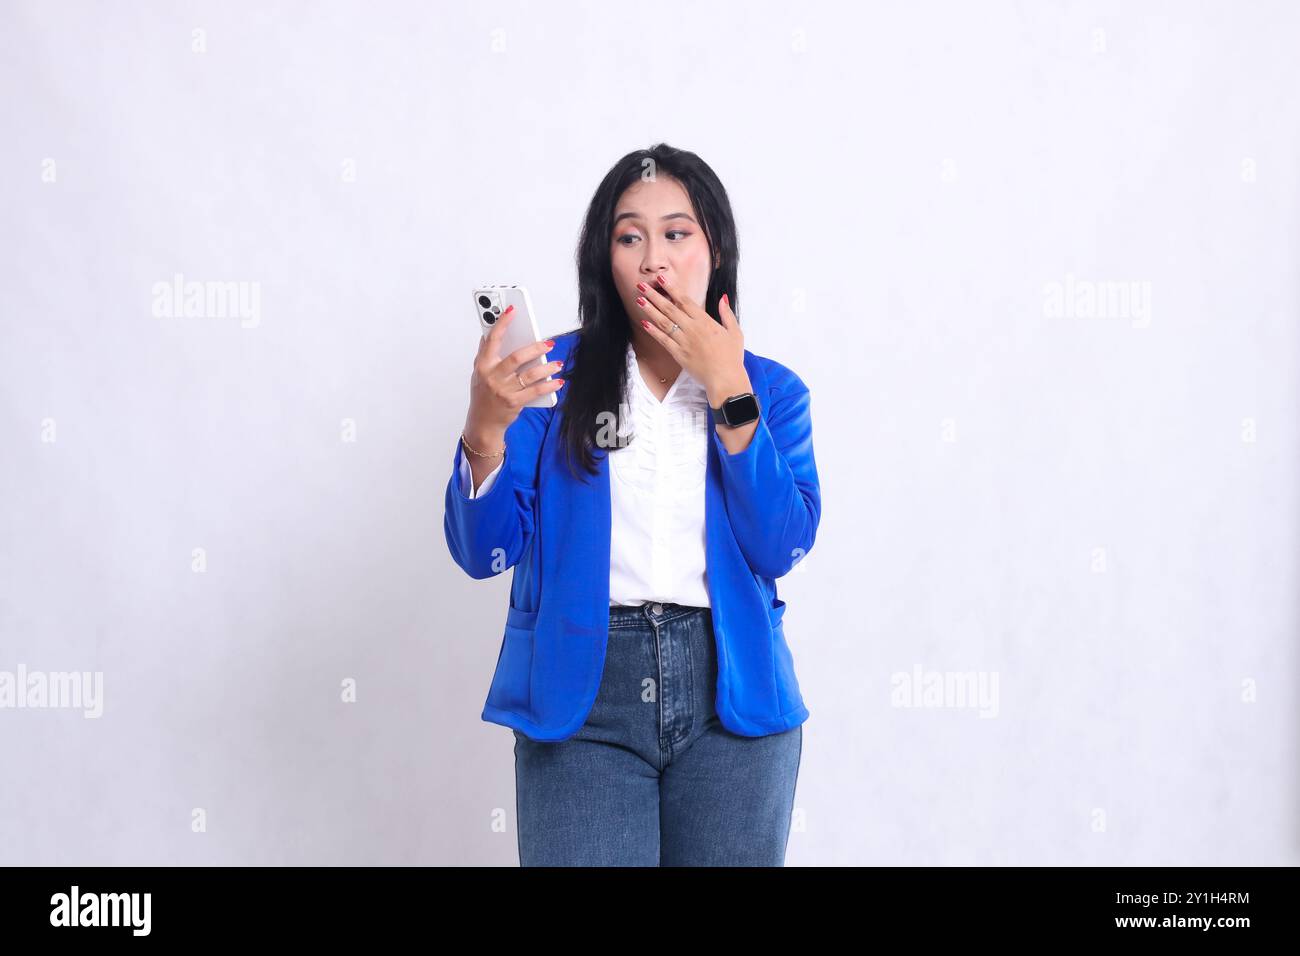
[630, 236]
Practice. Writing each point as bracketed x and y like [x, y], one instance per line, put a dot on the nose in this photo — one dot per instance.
[655, 257]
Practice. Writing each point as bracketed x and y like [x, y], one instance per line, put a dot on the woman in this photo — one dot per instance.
[644, 668]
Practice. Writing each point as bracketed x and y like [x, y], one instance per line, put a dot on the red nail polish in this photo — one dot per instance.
[726, 300]
[550, 344]
[640, 300]
[661, 280]
[641, 286]
[645, 324]
[509, 309]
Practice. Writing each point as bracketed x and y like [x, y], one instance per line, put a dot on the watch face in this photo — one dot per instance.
[741, 410]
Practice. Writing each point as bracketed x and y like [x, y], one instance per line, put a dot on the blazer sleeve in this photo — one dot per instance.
[489, 532]
[771, 488]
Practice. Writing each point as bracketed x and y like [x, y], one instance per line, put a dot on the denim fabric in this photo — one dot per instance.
[653, 778]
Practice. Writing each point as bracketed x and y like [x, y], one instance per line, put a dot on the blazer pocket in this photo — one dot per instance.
[515, 664]
[523, 620]
[788, 694]
[776, 612]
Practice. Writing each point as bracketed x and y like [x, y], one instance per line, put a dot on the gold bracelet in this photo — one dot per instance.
[479, 453]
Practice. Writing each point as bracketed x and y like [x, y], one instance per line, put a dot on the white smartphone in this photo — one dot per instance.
[492, 300]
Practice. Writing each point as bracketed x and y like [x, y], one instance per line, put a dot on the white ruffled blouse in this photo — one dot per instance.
[656, 486]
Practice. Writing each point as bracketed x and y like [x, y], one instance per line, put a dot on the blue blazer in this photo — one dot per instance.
[762, 507]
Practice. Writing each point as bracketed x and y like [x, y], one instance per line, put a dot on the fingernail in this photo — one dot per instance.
[661, 280]
[640, 300]
[645, 324]
[509, 309]
[550, 344]
[726, 300]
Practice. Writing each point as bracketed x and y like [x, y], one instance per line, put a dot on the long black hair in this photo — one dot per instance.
[596, 372]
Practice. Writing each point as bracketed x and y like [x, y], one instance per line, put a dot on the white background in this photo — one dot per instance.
[1073, 504]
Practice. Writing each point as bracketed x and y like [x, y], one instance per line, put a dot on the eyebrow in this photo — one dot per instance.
[636, 215]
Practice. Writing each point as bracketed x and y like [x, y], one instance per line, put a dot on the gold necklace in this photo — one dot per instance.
[662, 380]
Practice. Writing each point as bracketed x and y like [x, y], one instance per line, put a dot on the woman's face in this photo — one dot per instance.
[656, 230]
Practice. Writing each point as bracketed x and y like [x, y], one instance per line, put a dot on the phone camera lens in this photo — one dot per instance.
[489, 317]
[484, 302]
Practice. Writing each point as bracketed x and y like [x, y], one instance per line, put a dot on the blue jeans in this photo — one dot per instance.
[653, 778]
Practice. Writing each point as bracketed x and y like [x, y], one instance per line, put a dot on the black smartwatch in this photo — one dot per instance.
[738, 410]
